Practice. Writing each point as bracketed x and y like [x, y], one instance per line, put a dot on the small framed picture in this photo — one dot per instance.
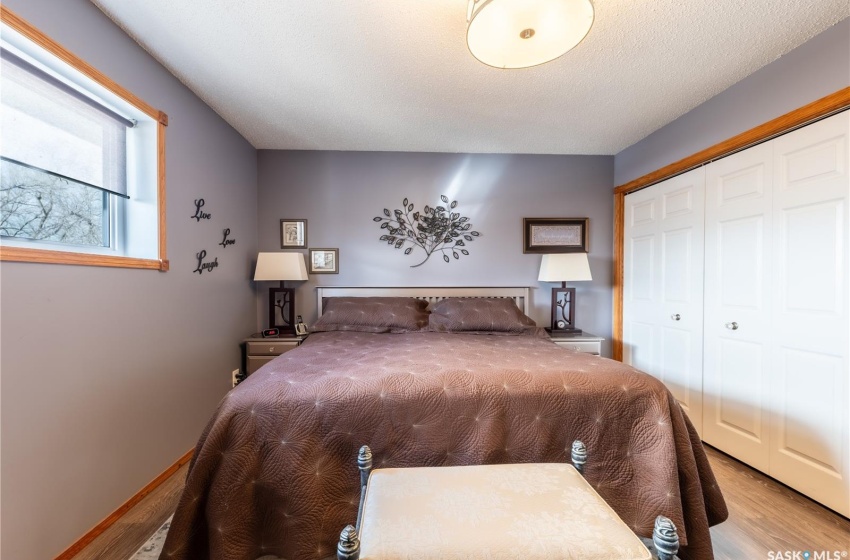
[293, 234]
[324, 261]
[555, 235]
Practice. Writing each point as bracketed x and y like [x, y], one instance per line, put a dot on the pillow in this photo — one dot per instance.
[485, 315]
[373, 314]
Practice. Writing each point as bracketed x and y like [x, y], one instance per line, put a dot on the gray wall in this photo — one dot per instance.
[340, 192]
[817, 68]
[109, 375]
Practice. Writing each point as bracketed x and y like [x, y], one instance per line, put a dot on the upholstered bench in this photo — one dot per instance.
[495, 512]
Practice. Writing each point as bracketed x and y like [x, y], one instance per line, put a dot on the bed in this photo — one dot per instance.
[273, 473]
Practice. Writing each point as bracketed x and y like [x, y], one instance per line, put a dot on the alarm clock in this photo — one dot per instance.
[561, 324]
[269, 333]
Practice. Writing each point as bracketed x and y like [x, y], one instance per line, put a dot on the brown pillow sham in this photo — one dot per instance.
[373, 314]
[482, 315]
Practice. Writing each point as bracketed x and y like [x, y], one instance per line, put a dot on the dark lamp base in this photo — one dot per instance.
[564, 310]
[282, 309]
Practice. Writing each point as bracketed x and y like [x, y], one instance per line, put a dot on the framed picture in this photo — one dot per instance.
[324, 261]
[293, 234]
[554, 235]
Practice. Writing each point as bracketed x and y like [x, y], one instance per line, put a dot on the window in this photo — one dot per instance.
[81, 160]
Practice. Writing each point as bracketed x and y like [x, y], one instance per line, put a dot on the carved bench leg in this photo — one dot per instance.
[349, 544]
[579, 456]
[665, 538]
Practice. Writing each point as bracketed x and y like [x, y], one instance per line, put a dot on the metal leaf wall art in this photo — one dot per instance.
[434, 230]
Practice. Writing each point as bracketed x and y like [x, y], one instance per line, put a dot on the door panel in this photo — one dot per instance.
[746, 182]
[662, 297]
[639, 305]
[676, 266]
[678, 203]
[641, 273]
[676, 369]
[643, 213]
[740, 250]
[738, 290]
[740, 367]
[807, 164]
[810, 239]
[639, 352]
[810, 383]
[810, 429]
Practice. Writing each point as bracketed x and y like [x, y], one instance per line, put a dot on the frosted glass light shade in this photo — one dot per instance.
[523, 33]
[564, 267]
[280, 266]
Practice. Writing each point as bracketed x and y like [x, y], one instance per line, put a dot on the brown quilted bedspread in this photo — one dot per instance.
[274, 473]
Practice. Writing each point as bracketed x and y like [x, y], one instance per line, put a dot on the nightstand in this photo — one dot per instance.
[258, 351]
[584, 342]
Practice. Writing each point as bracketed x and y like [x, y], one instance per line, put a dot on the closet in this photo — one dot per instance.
[736, 296]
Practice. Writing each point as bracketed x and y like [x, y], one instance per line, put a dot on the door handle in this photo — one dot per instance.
[676, 317]
[733, 326]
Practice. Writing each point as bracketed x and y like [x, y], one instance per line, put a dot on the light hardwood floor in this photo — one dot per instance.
[123, 539]
[764, 516]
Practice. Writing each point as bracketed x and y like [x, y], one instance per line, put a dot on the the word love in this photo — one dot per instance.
[225, 242]
[200, 214]
[202, 266]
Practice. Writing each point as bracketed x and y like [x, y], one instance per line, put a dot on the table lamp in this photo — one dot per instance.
[281, 266]
[563, 268]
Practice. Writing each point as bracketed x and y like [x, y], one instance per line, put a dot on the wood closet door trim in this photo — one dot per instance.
[823, 107]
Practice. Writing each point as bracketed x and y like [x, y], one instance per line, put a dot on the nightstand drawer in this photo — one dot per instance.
[253, 363]
[586, 346]
[257, 352]
[270, 348]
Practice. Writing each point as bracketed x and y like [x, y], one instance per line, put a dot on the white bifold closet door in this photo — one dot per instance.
[738, 302]
[737, 295]
[777, 321]
[809, 387]
[663, 307]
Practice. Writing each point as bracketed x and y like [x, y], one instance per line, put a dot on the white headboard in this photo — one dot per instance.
[431, 295]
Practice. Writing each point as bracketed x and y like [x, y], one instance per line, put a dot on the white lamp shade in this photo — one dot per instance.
[523, 33]
[564, 267]
[280, 266]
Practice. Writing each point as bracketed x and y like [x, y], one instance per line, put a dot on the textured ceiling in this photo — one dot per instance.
[397, 76]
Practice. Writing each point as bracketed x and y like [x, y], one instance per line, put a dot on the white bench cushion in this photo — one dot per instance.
[493, 512]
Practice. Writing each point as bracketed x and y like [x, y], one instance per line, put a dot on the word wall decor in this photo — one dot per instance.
[226, 242]
[199, 214]
[434, 230]
[204, 265]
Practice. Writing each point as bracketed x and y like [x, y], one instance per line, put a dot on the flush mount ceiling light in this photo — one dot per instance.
[524, 33]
